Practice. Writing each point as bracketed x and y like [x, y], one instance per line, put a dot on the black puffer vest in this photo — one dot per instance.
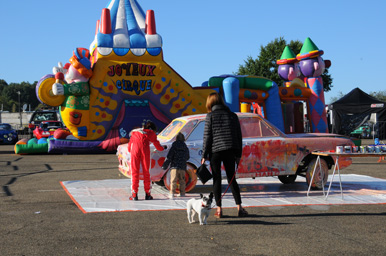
[222, 132]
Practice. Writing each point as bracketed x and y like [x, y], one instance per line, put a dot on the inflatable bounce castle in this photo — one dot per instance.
[109, 89]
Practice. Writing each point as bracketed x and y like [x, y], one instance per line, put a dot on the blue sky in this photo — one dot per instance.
[205, 38]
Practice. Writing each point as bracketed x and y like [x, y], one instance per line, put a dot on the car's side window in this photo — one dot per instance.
[266, 131]
[198, 132]
[253, 127]
[250, 127]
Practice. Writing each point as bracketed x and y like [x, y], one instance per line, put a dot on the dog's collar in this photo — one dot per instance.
[205, 206]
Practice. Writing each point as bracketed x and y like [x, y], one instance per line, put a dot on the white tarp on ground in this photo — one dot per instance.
[113, 195]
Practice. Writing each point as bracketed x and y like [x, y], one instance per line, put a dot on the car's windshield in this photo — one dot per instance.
[172, 129]
[44, 116]
[5, 127]
[185, 127]
[251, 127]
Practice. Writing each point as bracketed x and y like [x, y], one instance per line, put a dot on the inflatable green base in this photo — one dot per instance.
[31, 148]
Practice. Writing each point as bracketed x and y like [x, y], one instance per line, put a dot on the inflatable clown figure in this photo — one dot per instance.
[310, 62]
[312, 66]
[76, 90]
[293, 93]
[288, 68]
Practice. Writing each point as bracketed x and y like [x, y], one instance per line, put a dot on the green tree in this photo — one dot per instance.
[381, 95]
[265, 63]
[28, 94]
[9, 95]
[337, 97]
[3, 100]
[3, 84]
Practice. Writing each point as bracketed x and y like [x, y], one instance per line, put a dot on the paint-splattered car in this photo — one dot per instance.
[266, 151]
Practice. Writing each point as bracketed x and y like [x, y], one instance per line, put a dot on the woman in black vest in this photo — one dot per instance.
[222, 144]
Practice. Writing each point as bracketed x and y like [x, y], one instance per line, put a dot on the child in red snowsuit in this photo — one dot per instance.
[139, 148]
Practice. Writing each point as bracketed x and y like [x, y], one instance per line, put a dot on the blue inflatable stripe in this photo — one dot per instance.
[140, 8]
[231, 88]
[130, 17]
[105, 40]
[273, 109]
[82, 131]
[137, 38]
[42, 141]
[154, 51]
[121, 51]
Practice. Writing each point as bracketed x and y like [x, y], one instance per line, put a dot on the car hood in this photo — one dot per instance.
[7, 131]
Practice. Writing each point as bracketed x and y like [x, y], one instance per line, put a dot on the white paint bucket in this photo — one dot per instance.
[339, 149]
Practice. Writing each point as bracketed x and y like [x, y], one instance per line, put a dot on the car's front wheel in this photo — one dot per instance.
[287, 179]
[320, 175]
[190, 179]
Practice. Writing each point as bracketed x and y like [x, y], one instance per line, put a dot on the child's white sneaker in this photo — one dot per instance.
[181, 195]
[171, 196]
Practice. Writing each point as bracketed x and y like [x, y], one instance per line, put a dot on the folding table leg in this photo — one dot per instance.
[332, 179]
[340, 182]
[313, 173]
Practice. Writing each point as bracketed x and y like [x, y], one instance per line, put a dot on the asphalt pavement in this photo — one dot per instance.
[37, 217]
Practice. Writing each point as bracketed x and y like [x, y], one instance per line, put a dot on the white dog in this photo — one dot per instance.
[201, 206]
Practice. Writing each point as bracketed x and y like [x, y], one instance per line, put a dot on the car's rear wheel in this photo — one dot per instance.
[320, 175]
[190, 179]
[287, 179]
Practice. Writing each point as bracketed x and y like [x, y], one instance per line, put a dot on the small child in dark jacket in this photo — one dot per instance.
[177, 158]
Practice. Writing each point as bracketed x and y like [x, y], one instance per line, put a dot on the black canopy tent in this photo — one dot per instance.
[355, 109]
